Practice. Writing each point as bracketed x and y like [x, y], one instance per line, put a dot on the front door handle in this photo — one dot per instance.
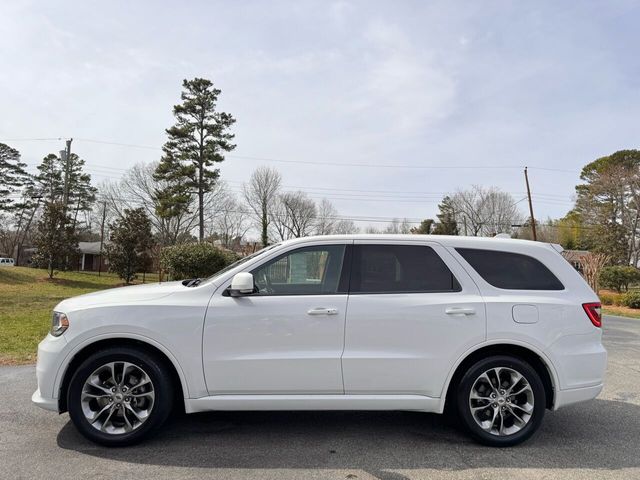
[322, 311]
[460, 311]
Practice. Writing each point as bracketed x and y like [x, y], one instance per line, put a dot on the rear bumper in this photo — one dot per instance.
[576, 395]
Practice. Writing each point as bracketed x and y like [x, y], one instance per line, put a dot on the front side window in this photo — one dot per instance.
[511, 271]
[305, 271]
[399, 269]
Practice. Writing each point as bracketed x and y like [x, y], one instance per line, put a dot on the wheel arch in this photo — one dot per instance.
[536, 359]
[134, 342]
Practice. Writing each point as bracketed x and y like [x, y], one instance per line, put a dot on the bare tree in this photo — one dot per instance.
[138, 188]
[232, 222]
[260, 194]
[484, 211]
[345, 226]
[326, 218]
[591, 265]
[398, 226]
[294, 215]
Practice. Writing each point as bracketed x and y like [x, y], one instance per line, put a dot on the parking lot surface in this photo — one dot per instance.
[598, 439]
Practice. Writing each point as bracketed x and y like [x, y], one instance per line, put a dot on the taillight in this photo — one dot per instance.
[594, 312]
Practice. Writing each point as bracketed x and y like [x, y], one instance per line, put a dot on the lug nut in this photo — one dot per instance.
[113, 389]
[111, 399]
[127, 399]
[124, 389]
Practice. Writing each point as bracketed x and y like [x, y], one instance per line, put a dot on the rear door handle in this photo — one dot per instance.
[460, 311]
[322, 311]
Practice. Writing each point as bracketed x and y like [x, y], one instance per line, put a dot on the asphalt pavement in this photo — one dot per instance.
[598, 439]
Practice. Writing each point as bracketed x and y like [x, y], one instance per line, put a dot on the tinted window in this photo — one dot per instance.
[305, 271]
[510, 270]
[399, 268]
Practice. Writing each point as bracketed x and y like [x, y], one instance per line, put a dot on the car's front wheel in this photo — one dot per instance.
[501, 400]
[119, 396]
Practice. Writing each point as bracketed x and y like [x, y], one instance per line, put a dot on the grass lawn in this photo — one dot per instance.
[27, 297]
[621, 311]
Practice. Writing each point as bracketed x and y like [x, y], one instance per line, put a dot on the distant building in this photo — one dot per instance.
[90, 257]
[575, 257]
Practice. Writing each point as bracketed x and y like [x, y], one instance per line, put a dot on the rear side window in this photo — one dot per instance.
[512, 271]
[399, 269]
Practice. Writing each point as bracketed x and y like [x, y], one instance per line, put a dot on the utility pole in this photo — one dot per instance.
[104, 215]
[533, 220]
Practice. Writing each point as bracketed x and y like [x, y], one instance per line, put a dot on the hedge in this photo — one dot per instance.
[194, 260]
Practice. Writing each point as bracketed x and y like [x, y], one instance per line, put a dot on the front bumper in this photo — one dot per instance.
[46, 403]
[50, 357]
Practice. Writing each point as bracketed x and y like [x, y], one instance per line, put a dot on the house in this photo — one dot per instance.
[575, 257]
[90, 258]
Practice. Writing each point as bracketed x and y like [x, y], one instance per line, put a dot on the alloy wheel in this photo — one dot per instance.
[501, 401]
[117, 398]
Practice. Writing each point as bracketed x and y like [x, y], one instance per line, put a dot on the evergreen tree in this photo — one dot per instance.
[130, 244]
[196, 143]
[55, 239]
[447, 219]
[49, 182]
[424, 228]
[13, 177]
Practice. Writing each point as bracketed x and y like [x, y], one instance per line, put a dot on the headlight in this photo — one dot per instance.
[59, 324]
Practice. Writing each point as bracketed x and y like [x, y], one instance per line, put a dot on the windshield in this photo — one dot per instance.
[241, 261]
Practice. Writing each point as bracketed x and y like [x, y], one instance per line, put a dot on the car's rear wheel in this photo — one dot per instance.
[501, 401]
[119, 396]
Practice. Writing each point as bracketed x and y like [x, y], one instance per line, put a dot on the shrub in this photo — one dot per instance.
[607, 298]
[631, 299]
[619, 277]
[194, 260]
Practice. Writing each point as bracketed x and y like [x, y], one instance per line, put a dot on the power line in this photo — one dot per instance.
[335, 164]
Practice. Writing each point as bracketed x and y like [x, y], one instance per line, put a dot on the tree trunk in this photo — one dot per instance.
[201, 212]
[265, 224]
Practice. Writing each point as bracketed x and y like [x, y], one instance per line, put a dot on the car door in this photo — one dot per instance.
[413, 310]
[287, 338]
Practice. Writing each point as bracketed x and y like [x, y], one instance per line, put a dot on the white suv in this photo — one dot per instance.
[496, 330]
[6, 262]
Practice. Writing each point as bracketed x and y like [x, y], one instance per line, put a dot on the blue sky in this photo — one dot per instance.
[406, 85]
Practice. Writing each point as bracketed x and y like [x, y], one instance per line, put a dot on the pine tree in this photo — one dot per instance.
[447, 219]
[49, 182]
[196, 143]
[13, 177]
[130, 244]
[424, 228]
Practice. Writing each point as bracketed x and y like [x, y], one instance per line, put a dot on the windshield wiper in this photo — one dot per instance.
[193, 282]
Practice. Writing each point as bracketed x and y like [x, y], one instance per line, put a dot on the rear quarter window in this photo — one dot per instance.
[510, 271]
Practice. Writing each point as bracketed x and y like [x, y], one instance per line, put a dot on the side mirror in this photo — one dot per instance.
[242, 284]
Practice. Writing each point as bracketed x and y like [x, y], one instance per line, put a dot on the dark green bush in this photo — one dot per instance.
[194, 260]
[631, 299]
[619, 277]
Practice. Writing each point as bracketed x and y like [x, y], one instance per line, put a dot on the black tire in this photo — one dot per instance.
[466, 417]
[154, 367]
